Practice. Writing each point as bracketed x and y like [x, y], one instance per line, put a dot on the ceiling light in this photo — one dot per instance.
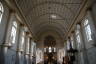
[53, 16]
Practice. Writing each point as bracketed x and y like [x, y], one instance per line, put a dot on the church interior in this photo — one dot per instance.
[47, 31]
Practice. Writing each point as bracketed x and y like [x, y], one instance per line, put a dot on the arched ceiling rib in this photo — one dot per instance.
[38, 14]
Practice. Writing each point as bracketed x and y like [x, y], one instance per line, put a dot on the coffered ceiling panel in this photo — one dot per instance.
[50, 13]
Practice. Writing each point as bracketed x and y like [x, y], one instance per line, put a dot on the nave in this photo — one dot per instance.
[47, 31]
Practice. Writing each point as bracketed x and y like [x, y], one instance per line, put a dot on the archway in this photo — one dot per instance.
[50, 54]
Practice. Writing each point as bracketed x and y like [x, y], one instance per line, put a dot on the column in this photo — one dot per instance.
[31, 51]
[34, 53]
[75, 47]
[92, 11]
[3, 29]
[84, 51]
[20, 45]
[27, 47]
[93, 23]
[79, 43]
[92, 51]
[7, 44]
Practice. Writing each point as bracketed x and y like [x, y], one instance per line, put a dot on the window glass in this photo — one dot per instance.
[77, 32]
[78, 39]
[44, 49]
[13, 32]
[78, 36]
[50, 49]
[28, 44]
[72, 41]
[87, 30]
[1, 11]
[22, 39]
[54, 49]
[68, 45]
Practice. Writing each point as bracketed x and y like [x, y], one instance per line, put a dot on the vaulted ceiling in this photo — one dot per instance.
[50, 15]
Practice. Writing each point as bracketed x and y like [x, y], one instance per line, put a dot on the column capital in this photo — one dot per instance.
[72, 32]
[22, 25]
[68, 37]
[27, 53]
[26, 29]
[29, 34]
[93, 2]
[7, 44]
[89, 9]
[12, 12]
[79, 23]
[19, 50]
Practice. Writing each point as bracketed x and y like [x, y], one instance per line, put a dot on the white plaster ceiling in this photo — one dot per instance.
[38, 14]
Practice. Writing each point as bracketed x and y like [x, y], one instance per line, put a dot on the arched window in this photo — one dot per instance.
[1, 11]
[78, 39]
[50, 49]
[13, 32]
[44, 49]
[22, 39]
[54, 49]
[72, 41]
[87, 29]
[68, 45]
